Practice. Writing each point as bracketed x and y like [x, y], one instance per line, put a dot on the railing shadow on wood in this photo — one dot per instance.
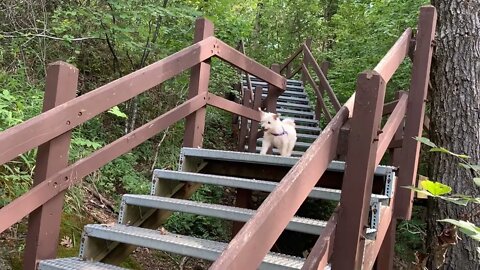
[342, 243]
[62, 114]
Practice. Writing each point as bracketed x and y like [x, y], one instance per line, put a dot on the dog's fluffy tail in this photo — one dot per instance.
[289, 121]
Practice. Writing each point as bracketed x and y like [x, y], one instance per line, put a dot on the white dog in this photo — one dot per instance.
[281, 134]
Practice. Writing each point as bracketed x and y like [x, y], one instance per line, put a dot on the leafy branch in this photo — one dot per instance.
[442, 191]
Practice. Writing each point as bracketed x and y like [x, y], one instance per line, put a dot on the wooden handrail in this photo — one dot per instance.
[291, 58]
[323, 80]
[259, 234]
[323, 248]
[391, 126]
[394, 57]
[74, 173]
[59, 120]
[247, 64]
[317, 92]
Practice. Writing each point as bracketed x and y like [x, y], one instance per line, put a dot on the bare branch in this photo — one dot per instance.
[29, 35]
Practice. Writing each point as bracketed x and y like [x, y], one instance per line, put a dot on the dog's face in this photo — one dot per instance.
[269, 120]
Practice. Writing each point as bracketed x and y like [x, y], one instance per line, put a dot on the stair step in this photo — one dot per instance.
[299, 146]
[297, 114]
[300, 107]
[245, 157]
[179, 244]
[250, 184]
[288, 93]
[295, 153]
[306, 137]
[290, 83]
[298, 224]
[295, 100]
[301, 129]
[74, 264]
[303, 121]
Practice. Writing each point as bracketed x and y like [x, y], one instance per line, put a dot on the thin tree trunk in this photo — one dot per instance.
[455, 125]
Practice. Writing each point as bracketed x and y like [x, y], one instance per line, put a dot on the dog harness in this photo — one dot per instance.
[280, 134]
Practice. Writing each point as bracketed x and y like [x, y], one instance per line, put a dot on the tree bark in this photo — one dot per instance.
[455, 125]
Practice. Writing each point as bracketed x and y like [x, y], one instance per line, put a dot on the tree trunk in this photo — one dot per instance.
[455, 125]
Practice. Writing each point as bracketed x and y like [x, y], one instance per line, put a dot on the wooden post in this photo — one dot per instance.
[244, 196]
[247, 94]
[318, 106]
[273, 93]
[358, 178]
[308, 43]
[252, 138]
[44, 222]
[415, 114]
[199, 77]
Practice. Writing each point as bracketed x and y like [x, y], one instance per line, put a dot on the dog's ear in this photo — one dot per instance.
[275, 116]
[260, 109]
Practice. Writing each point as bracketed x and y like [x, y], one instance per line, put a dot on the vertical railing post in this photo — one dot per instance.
[308, 44]
[44, 222]
[246, 101]
[243, 196]
[318, 106]
[199, 77]
[257, 103]
[407, 174]
[358, 178]
[273, 93]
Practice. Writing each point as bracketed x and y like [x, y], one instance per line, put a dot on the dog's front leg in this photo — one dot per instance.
[265, 146]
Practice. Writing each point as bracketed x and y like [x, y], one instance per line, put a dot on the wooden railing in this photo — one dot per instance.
[306, 60]
[343, 243]
[50, 131]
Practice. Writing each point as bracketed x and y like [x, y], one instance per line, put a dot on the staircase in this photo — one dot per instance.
[293, 103]
[242, 170]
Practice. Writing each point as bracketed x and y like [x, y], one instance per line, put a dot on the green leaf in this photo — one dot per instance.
[116, 111]
[436, 188]
[466, 227]
[443, 150]
[421, 191]
[476, 180]
[425, 141]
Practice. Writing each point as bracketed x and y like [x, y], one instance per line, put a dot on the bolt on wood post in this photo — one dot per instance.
[44, 222]
[199, 77]
[358, 178]
[407, 174]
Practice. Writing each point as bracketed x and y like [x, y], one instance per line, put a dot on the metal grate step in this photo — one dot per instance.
[290, 83]
[303, 121]
[252, 77]
[251, 184]
[298, 224]
[276, 152]
[74, 264]
[209, 154]
[298, 114]
[299, 107]
[294, 100]
[179, 244]
[288, 93]
[299, 146]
